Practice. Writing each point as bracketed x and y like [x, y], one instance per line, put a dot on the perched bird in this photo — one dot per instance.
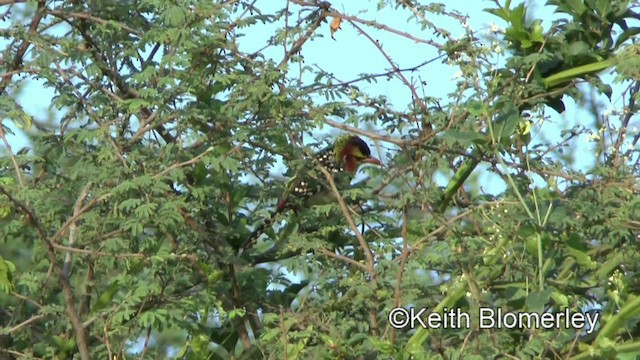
[309, 186]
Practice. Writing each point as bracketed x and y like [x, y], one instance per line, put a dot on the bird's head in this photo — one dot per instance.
[352, 151]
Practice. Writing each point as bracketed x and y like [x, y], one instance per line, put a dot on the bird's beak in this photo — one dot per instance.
[372, 160]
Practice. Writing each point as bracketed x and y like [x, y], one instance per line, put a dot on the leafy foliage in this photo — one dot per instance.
[122, 215]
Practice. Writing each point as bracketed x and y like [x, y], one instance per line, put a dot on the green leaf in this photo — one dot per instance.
[175, 16]
[476, 108]
[501, 13]
[578, 48]
[384, 347]
[465, 138]
[577, 7]
[236, 313]
[626, 35]
[537, 301]
[505, 124]
[561, 300]
[537, 31]
[7, 269]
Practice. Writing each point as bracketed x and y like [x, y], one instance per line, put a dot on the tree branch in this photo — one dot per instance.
[81, 338]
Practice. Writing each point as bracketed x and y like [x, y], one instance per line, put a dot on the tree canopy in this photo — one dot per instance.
[123, 211]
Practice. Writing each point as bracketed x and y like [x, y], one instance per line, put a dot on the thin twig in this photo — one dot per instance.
[342, 258]
[18, 353]
[97, 253]
[297, 46]
[26, 322]
[387, 28]
[316, 87]
[146, 343]
[106, 339]
[66, 15]
[66, 268]
[31, 301]
[369, 134]
[345, 212]
[13, 158]
[395, 67]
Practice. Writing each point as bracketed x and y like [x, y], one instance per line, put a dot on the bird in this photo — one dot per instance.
[308, 187]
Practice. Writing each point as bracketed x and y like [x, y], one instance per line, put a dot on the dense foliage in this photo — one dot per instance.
[122, 214]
